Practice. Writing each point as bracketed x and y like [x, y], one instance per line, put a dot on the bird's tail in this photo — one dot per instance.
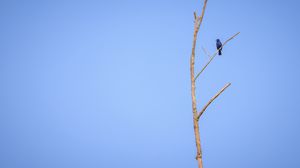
[220, 52]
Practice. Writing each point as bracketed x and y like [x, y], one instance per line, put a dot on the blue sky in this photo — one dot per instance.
[106, 84]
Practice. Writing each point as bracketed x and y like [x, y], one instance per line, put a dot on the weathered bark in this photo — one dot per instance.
[197, 24]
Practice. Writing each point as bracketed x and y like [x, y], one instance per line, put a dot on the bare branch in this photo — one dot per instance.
[203, 12]
[197, 24]
[216, 52]
[212, 99]
[206, 52]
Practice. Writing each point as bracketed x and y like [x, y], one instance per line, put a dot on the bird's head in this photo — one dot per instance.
[218, 40]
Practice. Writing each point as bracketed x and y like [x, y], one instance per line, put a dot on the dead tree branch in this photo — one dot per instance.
[196, 116]
[212, 99]
[213, 56]
[197, 24]
[206, 52]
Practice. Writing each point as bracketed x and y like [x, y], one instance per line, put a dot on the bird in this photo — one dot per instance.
[219, 46]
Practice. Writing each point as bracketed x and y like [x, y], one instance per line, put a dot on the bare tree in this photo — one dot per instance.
[196, 114]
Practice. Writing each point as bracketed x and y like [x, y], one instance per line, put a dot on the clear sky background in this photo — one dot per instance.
[105, 84]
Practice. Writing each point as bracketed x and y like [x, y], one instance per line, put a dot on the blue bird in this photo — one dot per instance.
[219, 46]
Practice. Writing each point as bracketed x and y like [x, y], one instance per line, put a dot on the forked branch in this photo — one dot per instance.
[216, 52]
[197, 24]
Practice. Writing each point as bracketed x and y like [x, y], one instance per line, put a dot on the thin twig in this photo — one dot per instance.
[216, 52]
[212, 99]
[195, 15]
[206, 52]
[202, 13]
